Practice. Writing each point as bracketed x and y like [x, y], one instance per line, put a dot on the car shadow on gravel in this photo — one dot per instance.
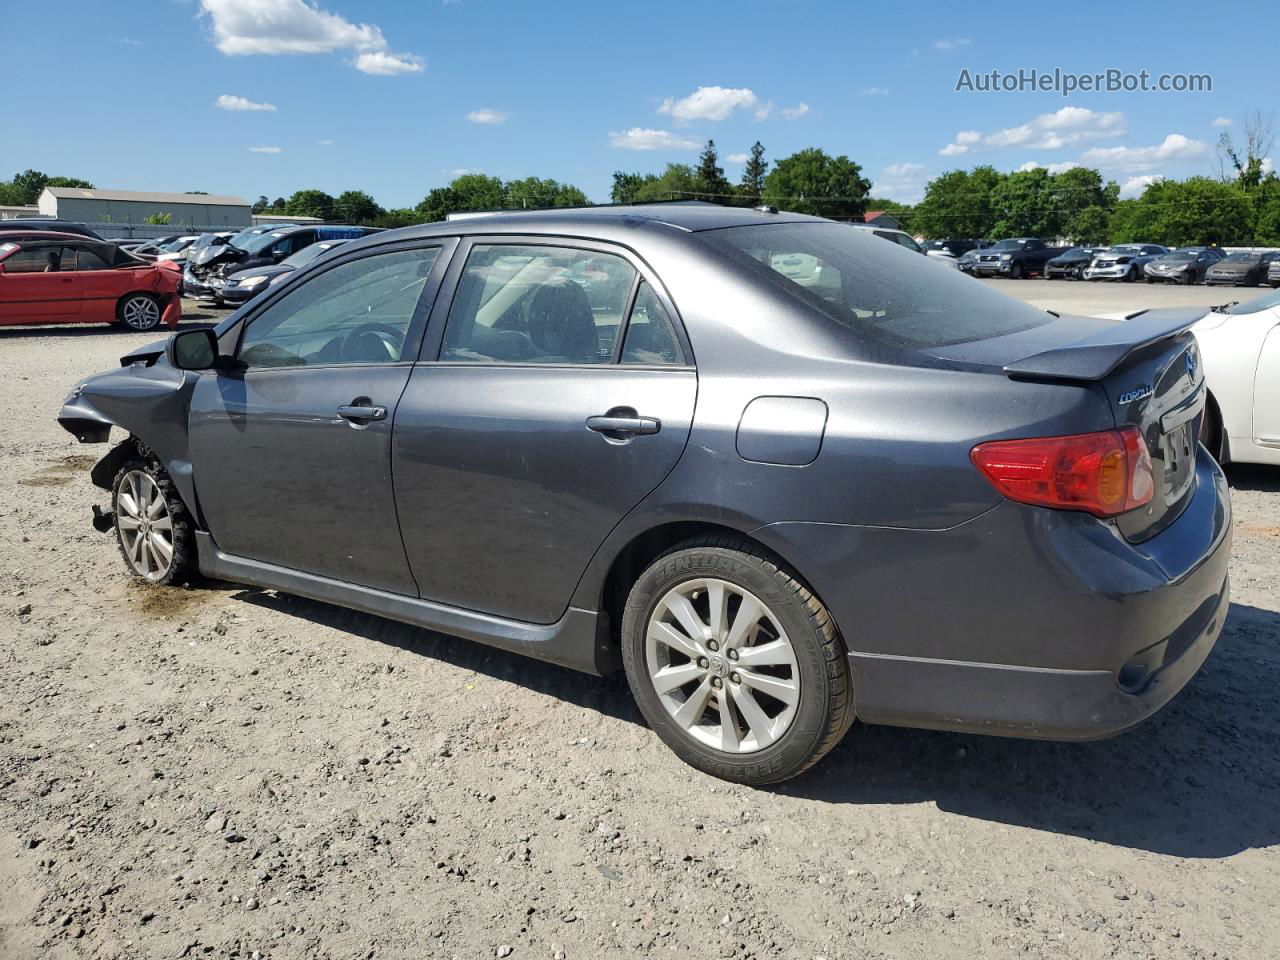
[1197, 780]
[605, 695]
[78, 331]
[1244, 476]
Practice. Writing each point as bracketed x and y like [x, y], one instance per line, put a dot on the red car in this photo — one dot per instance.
[51, 277]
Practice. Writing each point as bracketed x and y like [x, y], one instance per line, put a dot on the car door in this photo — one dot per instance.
[291, 449]
[556, 393]
[1266, 388]
[100, 285]
[34, 288]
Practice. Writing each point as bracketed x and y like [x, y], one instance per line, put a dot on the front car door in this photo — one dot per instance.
[1266, 387]
[291, 453]
[558, 392]
[35, 288]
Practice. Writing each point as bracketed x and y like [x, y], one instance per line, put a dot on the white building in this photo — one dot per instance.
[130, 208]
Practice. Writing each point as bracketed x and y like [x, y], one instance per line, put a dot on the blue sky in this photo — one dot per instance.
[397, 97]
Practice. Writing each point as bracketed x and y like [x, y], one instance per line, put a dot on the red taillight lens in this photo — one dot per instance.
[1102, 473]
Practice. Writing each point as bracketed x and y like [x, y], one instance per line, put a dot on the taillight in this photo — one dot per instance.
[1103, 473]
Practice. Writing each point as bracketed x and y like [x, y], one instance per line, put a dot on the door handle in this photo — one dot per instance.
[623, 427]
[359, 413]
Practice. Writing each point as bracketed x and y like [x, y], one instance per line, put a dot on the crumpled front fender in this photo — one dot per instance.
[150, 402]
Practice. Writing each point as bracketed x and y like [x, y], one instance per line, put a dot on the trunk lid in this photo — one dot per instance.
[1147, 366]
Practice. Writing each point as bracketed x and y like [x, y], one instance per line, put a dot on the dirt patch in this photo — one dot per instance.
[44, 481]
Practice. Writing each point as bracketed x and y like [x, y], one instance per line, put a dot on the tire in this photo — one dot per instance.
[1016, 272]
[138, 311]
[801, 656]
[1211, 434]
[134, 491]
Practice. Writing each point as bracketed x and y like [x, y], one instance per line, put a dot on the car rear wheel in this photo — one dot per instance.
[735, 664]
[152, 525]
[139, 311]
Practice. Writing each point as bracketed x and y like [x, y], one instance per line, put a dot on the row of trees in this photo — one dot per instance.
[810, 181]
[25, 187]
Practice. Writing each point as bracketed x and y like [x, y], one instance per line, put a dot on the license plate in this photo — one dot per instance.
[1179, 460]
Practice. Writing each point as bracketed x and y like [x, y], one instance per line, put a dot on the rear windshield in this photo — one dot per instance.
[877, 289]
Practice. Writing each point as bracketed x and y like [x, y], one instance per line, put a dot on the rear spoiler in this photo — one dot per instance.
[1096, 356]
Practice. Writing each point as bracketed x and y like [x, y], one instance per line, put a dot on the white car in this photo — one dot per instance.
[1240, 349]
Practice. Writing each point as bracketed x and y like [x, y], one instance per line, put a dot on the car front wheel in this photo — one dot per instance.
[152, 525]
[139, 311]
[735, 664]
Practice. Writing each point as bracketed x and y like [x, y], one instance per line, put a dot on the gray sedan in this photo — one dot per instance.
[782, 473]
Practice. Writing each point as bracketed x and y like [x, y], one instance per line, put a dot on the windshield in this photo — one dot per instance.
[877, 289]
[1180, 255]
[173, 246]
[1009, 245]
[1267, 301]
[1125, 249]
[307, 254]
[1244, 258]
[260, 242]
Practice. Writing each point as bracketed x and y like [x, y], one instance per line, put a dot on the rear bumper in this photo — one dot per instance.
[1023, 621]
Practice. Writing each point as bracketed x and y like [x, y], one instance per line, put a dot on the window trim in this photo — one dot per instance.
[433, 342]
[421, 311]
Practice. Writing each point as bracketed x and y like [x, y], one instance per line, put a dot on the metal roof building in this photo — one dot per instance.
[131, 207]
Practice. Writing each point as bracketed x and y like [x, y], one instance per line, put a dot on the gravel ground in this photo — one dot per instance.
[227, 772]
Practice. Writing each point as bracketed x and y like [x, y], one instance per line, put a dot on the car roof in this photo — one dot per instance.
[47, 236]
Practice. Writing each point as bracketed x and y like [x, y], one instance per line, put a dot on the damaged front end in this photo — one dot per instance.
[149, 400]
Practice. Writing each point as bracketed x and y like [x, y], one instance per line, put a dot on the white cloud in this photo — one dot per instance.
[325, 143]
[1221, 121]
[1050, 167]
[487, 116]
[229, 102]
[764, 109]
[641, 138]
[875, 92]
[965, 141]
[129, 41]
[1174, 148]
[242, 27]
[951, 43]
[1268, 165]
[266, 150]
[1067, 127]
[380, 63]
[903, 182]
[737, 158]
[710, 103]
[1135, 185]
[799, 110]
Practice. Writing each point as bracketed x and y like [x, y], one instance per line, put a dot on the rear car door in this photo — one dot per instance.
[35, 289]
[291, 452]
[557, 392]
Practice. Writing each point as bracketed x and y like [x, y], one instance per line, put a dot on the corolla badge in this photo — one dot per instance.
[1140, 392]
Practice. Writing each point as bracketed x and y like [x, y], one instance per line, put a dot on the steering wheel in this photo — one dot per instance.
[371, 343]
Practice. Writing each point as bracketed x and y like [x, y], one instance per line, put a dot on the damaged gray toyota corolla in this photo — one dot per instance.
[780, 471]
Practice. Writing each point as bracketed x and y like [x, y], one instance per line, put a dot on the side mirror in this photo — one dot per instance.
[277, 255]
[192, 350]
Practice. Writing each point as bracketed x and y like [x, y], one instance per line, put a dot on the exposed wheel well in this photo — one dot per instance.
[632, 560]
[1217, 429]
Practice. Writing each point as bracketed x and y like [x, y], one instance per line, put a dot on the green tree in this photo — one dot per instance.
[754, 172]
[813, 182]
[471, 191]
[627, 185]
[1025, 206]
[403, 217]
[26, 187]
[677, 182]
[259, 205]
[1083, 203]
[1198, 210]
[356, 206]
[1267, 222]
[310, 203]
[711, 182]
[958, 204]
[278, 204]
[532, 193]
[159, 219]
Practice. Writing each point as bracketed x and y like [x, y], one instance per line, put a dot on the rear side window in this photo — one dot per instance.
[530, 303]
[878, 290]
[651, 337]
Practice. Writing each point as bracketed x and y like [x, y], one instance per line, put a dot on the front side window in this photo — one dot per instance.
[530, 303]
[35, 258]
[356, 312]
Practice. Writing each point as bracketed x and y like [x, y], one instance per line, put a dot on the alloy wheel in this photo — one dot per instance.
[140, 313]
[145, 525]
[722, 666]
